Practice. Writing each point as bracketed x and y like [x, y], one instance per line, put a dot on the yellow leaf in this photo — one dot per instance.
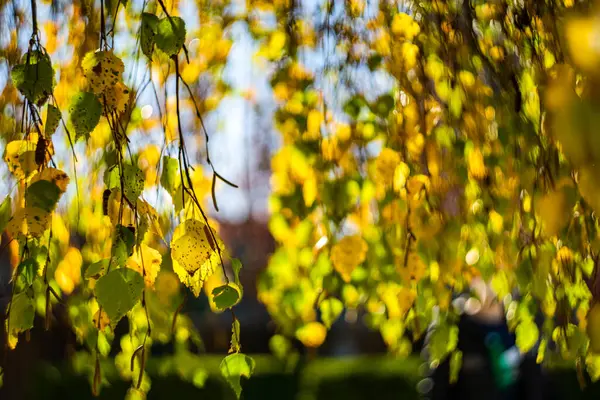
[101, 319]
[194, 252]
[115, 99]
[166, 286]
[103, 70]
[145, 210]
[56, 176]
[385, 166]
[403, 25]
[29, 221]
[278, 39]
[309, 191]
[476, 164]
[146, 261]
[347, 254]
[554, 211]
[313, 124]
[114, 207]
[312, 334]
[583, 36]
[19, 155]
[401, 174]
[496, 222]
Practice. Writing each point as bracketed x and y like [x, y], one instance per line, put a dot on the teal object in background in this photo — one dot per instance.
[505, 362]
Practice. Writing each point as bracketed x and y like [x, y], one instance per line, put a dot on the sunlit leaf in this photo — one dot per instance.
[455, 365]
[443, 340]
[25, 274]
[85, 113]
[97, 269]
[195, 255]
[5, 212]
[133, 180]
[53, 117]
[118, 291]
[148, 33]
[29, 221]
[169, 178]
[348, 254]
[331, 309]
[593, 328]
[280, 346]
[52, 175]
[115, 100]
[21, 317]
[235, 346]
[146, 261]
[170, 35]
[19, 155]
[123, 243]
[42, 194]
[527, 334]
[101, 319]
[226, 296]
[34, 77]
[103, 70]
[233, 367]
[312, 334]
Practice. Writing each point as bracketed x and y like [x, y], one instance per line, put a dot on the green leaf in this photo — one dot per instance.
[34, 77]
[200, 377]
[455, 103]
[112, 178]
[225, 296]
[96, 270]
[133, 178]
[5, 212]
[169, 179]
[133, 393]
[354, 106]
[148, 33]
[444, 339]
[384, 105]
[455, 365]
[42, 194]
[374, 61]
[53, 117]
[85, 114]
[331, 309]
[233, 367]
[280, 346]
[592, 362]
[170, 35]
[22, 314]
[26, 273]
[527, 335]
[123, 245]
[118, 291]
[236, 346]
[236, 266]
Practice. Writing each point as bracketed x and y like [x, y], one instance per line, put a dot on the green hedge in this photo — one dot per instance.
[347, 378]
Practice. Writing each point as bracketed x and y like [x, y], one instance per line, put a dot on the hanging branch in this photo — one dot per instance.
[208, 160]
[34, 18]
[183, 158]
[190, 191]
[102, 27]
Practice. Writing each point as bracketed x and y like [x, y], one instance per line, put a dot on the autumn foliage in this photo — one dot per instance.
[424, 144]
